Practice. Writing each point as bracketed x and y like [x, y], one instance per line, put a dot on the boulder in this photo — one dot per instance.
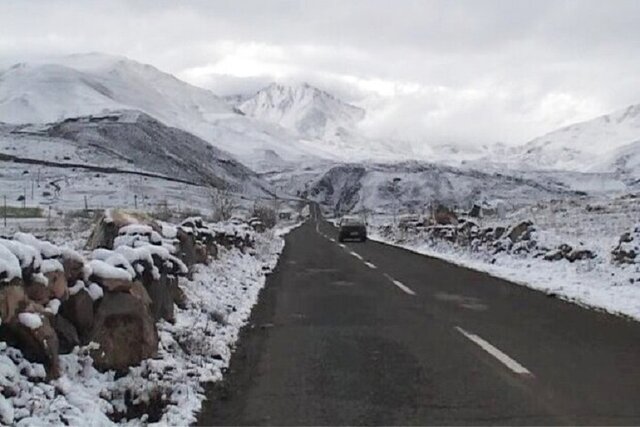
[139, 291]
[521, 231]
[57, 285]
[37, 344]
[78, 309]
[12, 300]
[73, 269]
[445, 216]
[103, 234]
[67, 334]
[627, 249]
[125, 332]
[579, 255]
[201, 253]
[475, 212]
[115, 285]
[565, 248]
[162, 297]
[179, 298]
[499, 232]
[38, 292]
[186, 247]
[553, 255]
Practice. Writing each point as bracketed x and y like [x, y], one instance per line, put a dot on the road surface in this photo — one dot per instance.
[369, 334]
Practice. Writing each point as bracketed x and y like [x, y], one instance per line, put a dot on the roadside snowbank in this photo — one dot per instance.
[595, 283]
[167, 390]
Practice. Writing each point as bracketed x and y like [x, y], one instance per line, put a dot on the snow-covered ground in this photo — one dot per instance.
[591, 224]
[194, 350]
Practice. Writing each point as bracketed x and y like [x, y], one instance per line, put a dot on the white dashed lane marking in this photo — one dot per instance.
[356, 255]
[371, 266]
[399, 284]
[495, 352]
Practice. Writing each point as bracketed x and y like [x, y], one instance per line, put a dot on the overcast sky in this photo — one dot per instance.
[469, 72]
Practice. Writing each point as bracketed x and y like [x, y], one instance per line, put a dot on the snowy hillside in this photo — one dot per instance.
[592, 145]
[304, 109]
[79, 85]
[108, 160]
[93, 83]
[413, 186]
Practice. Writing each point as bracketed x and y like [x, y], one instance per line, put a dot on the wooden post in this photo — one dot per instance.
[86, 205]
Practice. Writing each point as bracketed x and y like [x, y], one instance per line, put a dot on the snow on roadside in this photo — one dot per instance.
[194, 350]
[596, 283]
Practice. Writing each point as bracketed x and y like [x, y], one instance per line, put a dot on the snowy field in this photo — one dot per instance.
[194, 350]
[593, 224]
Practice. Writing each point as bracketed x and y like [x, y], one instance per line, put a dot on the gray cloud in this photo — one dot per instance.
[467, 71]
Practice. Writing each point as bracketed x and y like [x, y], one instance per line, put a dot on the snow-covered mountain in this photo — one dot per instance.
[413, 186]
[79, 85]
[586, 146]
[304, 109]
[94, 83]
[129, 141]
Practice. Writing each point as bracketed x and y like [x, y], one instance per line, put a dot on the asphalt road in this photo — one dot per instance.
[368, 334]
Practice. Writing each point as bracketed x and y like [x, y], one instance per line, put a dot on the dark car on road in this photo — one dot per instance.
[352, 228]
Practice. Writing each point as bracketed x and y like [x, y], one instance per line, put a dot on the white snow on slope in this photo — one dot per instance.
[307, 110]
[94, 83]
[589, 146]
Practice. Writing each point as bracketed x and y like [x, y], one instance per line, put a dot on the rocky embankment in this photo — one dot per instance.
[103, 303]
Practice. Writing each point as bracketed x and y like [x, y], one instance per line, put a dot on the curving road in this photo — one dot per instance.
[369, 334]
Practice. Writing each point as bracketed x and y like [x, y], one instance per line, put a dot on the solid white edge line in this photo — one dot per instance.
[495, 352]
[399, 284]
[371, 266]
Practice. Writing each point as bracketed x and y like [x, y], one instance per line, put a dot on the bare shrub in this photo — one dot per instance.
[266, 215]
[222, 203]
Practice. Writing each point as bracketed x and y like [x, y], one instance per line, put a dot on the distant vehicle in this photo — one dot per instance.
[352, 228]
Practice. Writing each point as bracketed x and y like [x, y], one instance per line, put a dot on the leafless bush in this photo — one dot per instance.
[223, 204]
[266, 215]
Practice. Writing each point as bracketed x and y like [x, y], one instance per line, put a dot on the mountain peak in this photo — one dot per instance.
[303, 108]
